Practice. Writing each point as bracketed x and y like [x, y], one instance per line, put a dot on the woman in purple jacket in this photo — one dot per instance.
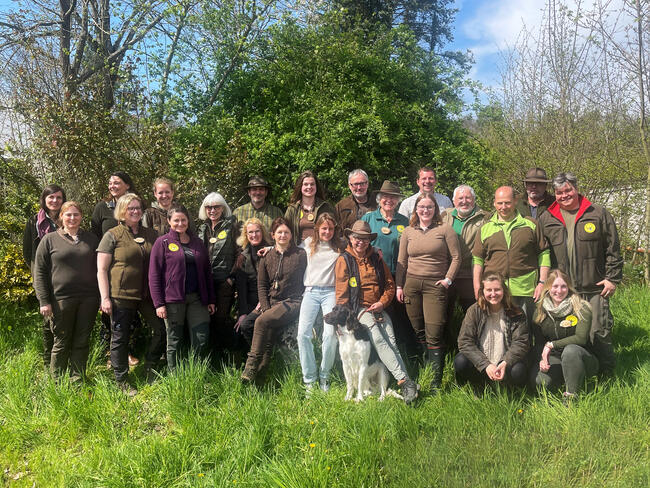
[180, 281]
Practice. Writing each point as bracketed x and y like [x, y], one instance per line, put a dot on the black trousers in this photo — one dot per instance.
[516, 374]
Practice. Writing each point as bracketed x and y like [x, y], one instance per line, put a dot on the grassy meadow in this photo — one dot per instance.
[203, 428]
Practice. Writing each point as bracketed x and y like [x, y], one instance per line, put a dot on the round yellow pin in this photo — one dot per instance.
[400, 228]
[173, 247]
[222, 234]
[353, 282]
[590, 227]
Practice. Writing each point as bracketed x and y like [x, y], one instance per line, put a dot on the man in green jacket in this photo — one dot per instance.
[466, 218]
[584, 244]
[515, 247]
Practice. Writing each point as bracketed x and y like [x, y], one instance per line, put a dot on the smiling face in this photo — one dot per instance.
[493, 293]
[178, 222]
[388, 203]
[558, 291]
[567, 197]
[425, 210]
[164, 195]
[71, 219]
[308, 188]
[133, 212]
[214, 212]
[53, 202]
[504, 203]
[282, 236]
[326, 231]
[359, 245]
[117, 187]
[254, 234]
[426, 181]
[464, 202]
[258, 195]
[358, 185]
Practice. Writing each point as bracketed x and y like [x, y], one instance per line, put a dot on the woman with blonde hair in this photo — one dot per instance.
[65, 270]
[122, 269]
[323, 249]
[562, 323]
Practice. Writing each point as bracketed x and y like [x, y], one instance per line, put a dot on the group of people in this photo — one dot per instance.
[533, 278]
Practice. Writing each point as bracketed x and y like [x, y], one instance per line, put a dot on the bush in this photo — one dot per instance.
[15, 278]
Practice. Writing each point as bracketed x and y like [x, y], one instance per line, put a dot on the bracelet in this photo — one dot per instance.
[540, 282]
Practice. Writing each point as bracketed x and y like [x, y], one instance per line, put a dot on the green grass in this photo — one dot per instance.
[201, 428]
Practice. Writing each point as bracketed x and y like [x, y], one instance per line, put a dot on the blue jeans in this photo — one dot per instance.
[316, 298]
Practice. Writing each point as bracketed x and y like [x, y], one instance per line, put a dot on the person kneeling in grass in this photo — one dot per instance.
[493, 339]
[562, 323]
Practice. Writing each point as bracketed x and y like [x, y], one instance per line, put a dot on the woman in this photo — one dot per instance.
[219, 233]
[102, 220]
[122, 268]
[323, 250]
[493, 339]
[155, 216]
[180, 282]
[306, 204]
[65, 268]
[364, 283]
[43, 222]
[279, 289]
[253, 238]
[429, 258]
[562, 323]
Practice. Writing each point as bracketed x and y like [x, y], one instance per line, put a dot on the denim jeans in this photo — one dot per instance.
[316, 298]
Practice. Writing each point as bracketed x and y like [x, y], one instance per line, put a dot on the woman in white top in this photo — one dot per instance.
[322, 252]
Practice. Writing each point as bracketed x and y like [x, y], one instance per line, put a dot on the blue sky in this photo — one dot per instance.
[483, 26]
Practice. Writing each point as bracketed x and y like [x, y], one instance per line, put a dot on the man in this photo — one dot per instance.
[466, 219]
[537, 199]
[356, 205]
[515, 247]
[584, 244]
[258, 191]
[427, 183]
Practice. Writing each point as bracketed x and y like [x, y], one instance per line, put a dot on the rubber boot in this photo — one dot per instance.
[437, 359]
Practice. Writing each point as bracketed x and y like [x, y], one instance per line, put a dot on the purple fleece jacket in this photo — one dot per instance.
[167, 270]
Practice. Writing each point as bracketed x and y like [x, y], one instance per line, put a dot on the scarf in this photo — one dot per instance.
[44, 224]
[558, 312]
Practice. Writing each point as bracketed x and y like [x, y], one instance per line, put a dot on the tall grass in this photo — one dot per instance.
[199, 427]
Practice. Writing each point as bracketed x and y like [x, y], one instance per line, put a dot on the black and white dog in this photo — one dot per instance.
[361, 365]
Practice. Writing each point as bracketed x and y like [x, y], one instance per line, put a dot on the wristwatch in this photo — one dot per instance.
[448, 281]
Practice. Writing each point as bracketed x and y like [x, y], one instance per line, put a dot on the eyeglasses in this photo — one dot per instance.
[212, 207]
[425, 207]
[134, 209]
[364, 183]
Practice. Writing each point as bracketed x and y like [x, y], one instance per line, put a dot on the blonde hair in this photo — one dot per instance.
[68, 204]
[577, 303]
[214, 198]
[163, 181]
[122, 203]
[242, 240]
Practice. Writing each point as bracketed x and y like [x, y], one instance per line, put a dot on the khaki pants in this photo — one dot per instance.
[73, 321]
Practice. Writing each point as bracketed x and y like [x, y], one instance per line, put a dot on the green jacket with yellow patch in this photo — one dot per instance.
[516, 249]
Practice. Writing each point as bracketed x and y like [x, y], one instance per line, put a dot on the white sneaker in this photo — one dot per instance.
[325, 385]
[309, 389]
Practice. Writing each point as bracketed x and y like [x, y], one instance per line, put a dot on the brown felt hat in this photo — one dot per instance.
[360, 229]
[389, 188]
[536, 175]
[256, 181]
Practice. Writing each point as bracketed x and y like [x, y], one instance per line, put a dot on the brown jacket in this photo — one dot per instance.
[280, 276]
[370, 289]
[347, 210]
[524, 208]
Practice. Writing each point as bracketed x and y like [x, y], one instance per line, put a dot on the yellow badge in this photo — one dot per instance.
[213, 240]
[400, 228]
[139, 240]
[173, 247]
[589, 227]
[301, 214]
[222, 234]
[353, 282]
[573, 319]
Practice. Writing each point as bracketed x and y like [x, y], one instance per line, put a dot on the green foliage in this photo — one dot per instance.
[203, 428]
[331, 100]
[15, 278]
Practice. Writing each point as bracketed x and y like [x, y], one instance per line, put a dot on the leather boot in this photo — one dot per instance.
[250, 370]
[437, 359]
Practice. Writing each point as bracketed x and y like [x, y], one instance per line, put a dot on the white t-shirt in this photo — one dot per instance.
[407, 206]
[320, 265]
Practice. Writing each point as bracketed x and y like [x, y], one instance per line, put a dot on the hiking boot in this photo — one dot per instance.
[410, 391]
[250, 371]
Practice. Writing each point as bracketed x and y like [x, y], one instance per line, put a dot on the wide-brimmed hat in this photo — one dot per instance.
[256, 181]
[536, 175]
[360, 229]
[389, 188]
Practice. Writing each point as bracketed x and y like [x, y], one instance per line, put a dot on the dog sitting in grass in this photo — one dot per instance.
[363, 370]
